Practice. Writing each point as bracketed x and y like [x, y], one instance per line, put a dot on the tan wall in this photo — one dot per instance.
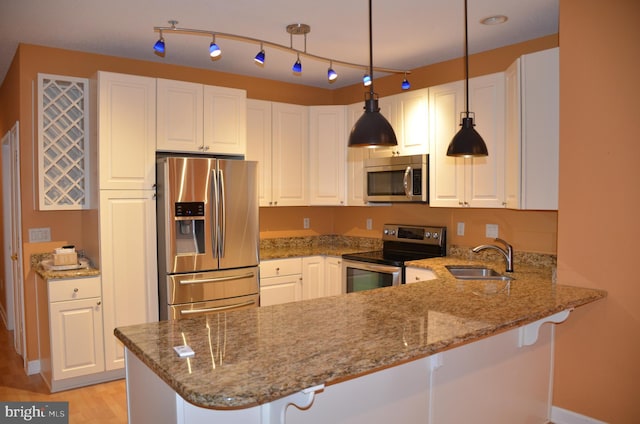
[532, 231]
[598, 348]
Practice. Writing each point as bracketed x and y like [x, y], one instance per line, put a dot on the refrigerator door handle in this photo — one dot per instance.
[223, 214]
[218, 279]
[215, 197]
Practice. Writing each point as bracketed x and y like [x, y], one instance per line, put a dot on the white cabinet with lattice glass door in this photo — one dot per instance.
[63, 142]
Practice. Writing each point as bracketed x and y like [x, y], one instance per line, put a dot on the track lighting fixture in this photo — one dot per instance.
[331, 74]
[292, 29]
[260, 56]
[467, 142]
[214, 49]
[372, 129]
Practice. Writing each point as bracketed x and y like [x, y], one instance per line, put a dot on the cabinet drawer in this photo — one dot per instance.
[277, 267]
[74, 288]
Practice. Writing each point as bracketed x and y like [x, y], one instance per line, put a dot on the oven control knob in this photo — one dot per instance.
[435, 235]
[386, 232]
[427, 235]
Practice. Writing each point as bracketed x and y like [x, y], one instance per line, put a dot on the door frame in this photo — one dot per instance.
[12, 224]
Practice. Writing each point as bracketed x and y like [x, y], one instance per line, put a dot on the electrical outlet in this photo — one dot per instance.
[305, 223]
[460, 228]
[492, 231]
[369, 223]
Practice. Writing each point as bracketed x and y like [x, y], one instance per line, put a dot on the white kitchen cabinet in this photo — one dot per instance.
[128, 264]
[313, 280]
[468, 182]
[355, 161]
[278, 135]
[532, 131]
[408, 114]
[327, 155]
[413, 275]
[197, 118]
[71, 337]
[333, 276]
[126, 128]
[280, 281]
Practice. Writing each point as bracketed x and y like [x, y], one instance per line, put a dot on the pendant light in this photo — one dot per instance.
[372, 129]
[467, 142]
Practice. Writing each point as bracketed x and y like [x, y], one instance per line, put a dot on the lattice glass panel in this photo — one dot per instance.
[63, 135]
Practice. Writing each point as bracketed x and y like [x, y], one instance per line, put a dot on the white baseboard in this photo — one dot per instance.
[564, 416]
[33, 367]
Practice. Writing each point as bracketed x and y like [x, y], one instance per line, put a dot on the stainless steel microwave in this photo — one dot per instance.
[397, 179]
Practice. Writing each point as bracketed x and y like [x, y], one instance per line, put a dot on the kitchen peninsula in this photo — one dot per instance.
[413, 353]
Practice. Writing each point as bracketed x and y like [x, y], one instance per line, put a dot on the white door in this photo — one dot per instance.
[13, 225]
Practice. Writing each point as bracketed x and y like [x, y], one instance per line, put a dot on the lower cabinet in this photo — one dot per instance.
[301, 278]
[71, 335]
[280, 281]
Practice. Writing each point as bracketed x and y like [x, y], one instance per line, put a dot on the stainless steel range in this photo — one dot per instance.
[386, 267]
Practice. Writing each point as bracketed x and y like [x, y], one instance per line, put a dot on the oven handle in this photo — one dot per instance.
[371, 267]
[216, 309]
[218, 279]
[408, 191]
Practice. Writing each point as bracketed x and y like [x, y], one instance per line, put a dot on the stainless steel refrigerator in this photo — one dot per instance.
[208, 235]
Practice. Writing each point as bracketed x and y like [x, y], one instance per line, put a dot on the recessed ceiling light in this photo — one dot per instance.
[494, 20]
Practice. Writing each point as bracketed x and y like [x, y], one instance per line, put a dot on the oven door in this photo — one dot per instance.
[359, 276]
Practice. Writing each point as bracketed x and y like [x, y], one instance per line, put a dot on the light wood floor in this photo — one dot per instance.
[102, 403]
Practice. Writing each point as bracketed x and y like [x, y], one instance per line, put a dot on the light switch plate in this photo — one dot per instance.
[460, 228]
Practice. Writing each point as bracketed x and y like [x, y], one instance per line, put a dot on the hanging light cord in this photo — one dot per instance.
[177, 30]
[466, 59]
[371, 93]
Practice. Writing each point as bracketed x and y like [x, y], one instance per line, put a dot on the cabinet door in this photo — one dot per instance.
[76, 338]
[485, 176]
[327, 155]
[333, 276]
[355, 161]
[276, 290]
[290, 154]
[225, 120]
[126, 131]
[412, 122]
[446, 174]
[179, 116]
[127, 264]
[259, 145]
[313, 282]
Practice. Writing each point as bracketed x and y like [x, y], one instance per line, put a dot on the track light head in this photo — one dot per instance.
[331, 74]
[214, 49]
[406, 84]
[158, 47]
[259, 59]
[297, 67]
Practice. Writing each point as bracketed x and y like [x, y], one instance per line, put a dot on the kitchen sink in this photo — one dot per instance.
[470, 272]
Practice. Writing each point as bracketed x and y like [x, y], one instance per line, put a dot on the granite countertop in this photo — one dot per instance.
[49, 274]
[254, 356]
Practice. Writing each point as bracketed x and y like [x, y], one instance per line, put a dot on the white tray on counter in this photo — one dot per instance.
[49, 266]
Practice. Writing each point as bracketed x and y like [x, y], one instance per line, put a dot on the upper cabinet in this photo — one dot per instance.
[327, 155]
[532, 128]
[277, 137]
[198, 118]
[468, 182]
[126, 127]
[408, 114]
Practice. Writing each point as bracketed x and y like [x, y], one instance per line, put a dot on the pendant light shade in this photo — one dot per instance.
[372, 129]
[467, 142]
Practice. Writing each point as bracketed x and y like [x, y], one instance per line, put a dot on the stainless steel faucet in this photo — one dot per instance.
[508, 253]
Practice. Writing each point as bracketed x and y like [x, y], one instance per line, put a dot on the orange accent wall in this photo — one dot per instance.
[597, 369]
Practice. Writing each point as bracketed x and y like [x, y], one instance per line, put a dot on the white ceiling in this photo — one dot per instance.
[406, 33]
